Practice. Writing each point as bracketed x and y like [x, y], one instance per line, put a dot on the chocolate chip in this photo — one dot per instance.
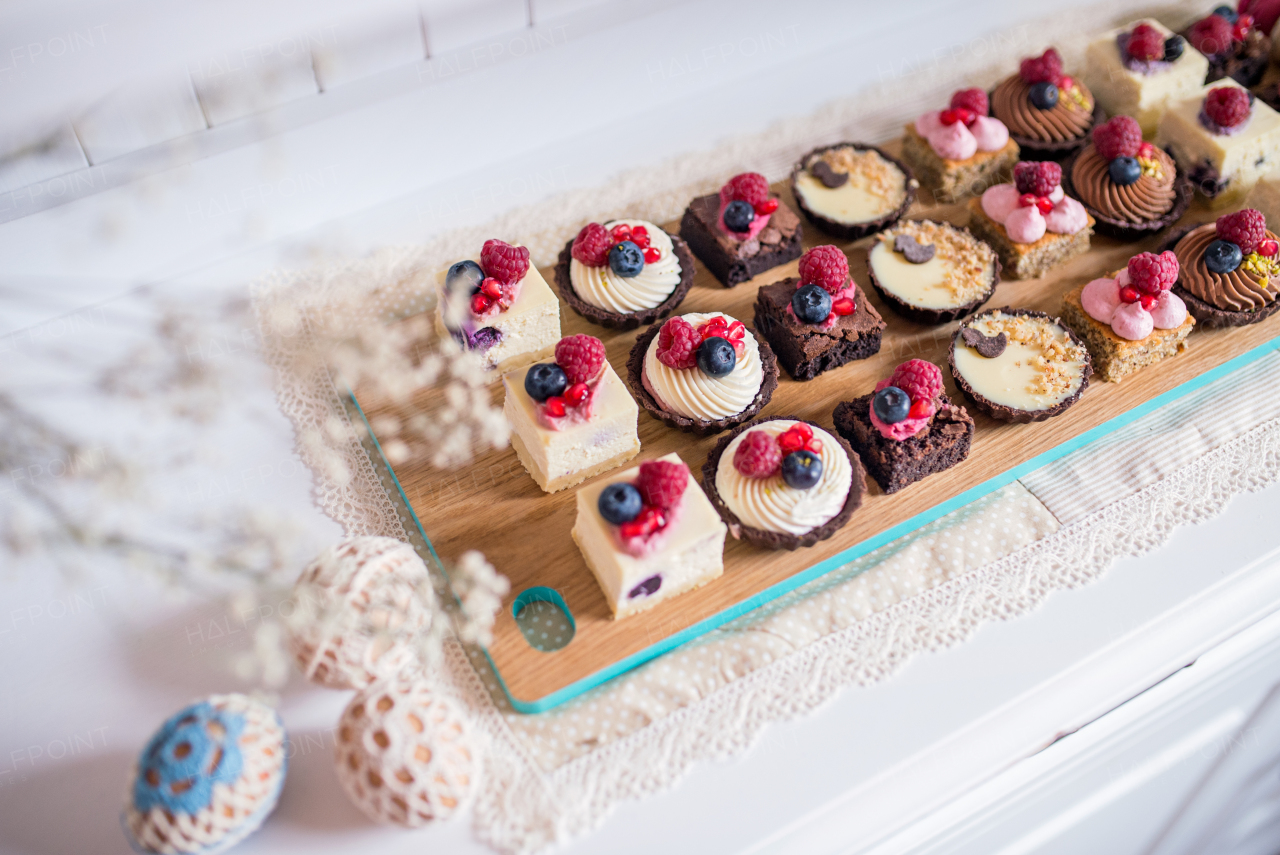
[988, 346]
[914, 252]
[829, 177]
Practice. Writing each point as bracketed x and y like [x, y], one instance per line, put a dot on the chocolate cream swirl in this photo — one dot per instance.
[1147, 199]
[1011, 104]
[1237, 291]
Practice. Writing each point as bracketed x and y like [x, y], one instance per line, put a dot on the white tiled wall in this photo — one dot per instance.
[361, 48]
[139, 115]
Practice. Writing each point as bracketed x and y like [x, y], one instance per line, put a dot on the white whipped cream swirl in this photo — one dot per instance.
[770, 504]
[604, 289]
[695, 394]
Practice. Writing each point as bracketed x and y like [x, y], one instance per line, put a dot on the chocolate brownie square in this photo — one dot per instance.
[895, 464]
[734, 261]
[806, 351]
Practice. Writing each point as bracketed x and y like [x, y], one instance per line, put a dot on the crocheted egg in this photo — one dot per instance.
[405, 753]
[207, 778]
[358, 607]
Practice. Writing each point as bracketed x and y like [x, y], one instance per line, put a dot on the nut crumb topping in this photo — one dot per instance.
[878, 176]
[969, 277]
[1059, 361]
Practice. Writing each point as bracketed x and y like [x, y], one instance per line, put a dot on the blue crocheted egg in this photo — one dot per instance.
[207, 778]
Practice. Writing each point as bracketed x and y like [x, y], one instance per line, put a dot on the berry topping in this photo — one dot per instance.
[891, 405]
[1121, 136]
[480, 304]
[1227, 106]
[844, 306]
[491, 288]
[1046, 68]
[626, 259]
[768, 206]
[661, 483]
[799, 437]
[639, 236]
[758, 455]
[619, 503]
[957, 115]
[716, 357]
[1173, 47]
[651, 254]
[1222, 256]
[1148, 301]
[504, 262]
[646, 522]
[973, 100]
[1037, 177]
[1145, 43]
[1124, 171]
[620, 232]
[825, 266]
[580, 356]
[718, 326]
[1240, 31]
[545, 380]
[920, 379]
[1211, 35]
[738, 216]
[921, 409]
[1129, 294]
[1150, 273]
[1044, 96]
[802, 469]
[749, 187]
[1268, 248]
[592, 245]
[465, 274]
[811, 303]
[1246, 229]
[576, 394]
[678, 344]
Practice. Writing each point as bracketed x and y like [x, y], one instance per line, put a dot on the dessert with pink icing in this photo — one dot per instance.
[741, 231]
[1131, 319]
[648, 534]
[959, 151]
[907, 429]
[1032, 224]
[572, 418]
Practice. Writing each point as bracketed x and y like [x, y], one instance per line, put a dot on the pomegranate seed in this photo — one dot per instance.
[920, 410]
[576, 394]
[1044, 204]
[806, 432]
[1239, 33]
[647, 521]
[1245, 21]
[640, 236]
[843, 306]
[555, 405]
[1065, 82]
[1146, 150]
[1148, 301]
[1026, 200]
[790, 441]
[491, 288]
[768, 206]
[1129, 294]
[739, 349]
[737, 331]
[480, 303]
[949, 117]
[1268, 248]
[651, 255]
[620, 232]
[814, 445]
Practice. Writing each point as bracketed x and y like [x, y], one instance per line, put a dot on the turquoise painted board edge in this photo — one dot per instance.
[887, 536]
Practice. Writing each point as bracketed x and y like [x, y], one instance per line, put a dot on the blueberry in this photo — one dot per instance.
[626, 259]
[1222, 256]
[1173, 47]
[738, 216]
[891, 405]
[619, 503]
[716, 356]
[465, 274]
[801, 469]
[1125, 170]
[544, 380]
[1225, 12]
[647, 588]
[812, 304]
[1044, 95]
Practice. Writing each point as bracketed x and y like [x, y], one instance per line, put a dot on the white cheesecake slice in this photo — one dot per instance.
[1147, 89]
[529, 329]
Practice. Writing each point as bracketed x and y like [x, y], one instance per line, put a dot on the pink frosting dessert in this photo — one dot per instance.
[1026, 223]
[958, 141]
[1138, 300]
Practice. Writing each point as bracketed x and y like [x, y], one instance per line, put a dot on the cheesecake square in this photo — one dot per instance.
[1027, 260]
[576, 448]
[953, 180]
[690, 555]
[1143, 90]
[1223, 167]
[1115, 358]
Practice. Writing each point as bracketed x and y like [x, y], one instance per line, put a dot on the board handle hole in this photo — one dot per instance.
[544, 619]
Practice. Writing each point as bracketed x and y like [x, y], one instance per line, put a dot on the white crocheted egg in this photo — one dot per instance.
[207, 778]
[405, 753]
[358, 607]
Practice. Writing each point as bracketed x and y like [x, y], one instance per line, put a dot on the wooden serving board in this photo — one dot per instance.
[493, 505]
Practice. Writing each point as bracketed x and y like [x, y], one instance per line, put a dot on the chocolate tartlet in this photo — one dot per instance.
[1065, 358]
[1045, 129]
[895, 464]
[962, 272]
[806, 351]
[625, 320]
[1232, 299]
[875, 190]
[776, 539]
[1134, 211]
[734, 261]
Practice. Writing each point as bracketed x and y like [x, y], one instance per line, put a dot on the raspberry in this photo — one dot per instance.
[1146, 43]
[826, 267]
[580, 356]
[1046, 68]
[678, 344]
[1210, 35]
[758, 455]
[1037, 177]
[661, 483]
[974, 100]
[1145, 272]
[1246, 229]
[1168, 269]
[504, 262]
[749, 187]
[1227, 106]
[592, 245]
[919, 379]
[1119, 137]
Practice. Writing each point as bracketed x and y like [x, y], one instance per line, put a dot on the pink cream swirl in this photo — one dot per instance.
[904, 429]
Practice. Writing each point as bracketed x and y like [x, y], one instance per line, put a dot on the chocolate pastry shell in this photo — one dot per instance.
[1040, 150]
[699, 427]
[1000, 411]
[626, 320]
[1122, 229]
[1206, 314]
[855, 231]
[936, 316]
[776, 539]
